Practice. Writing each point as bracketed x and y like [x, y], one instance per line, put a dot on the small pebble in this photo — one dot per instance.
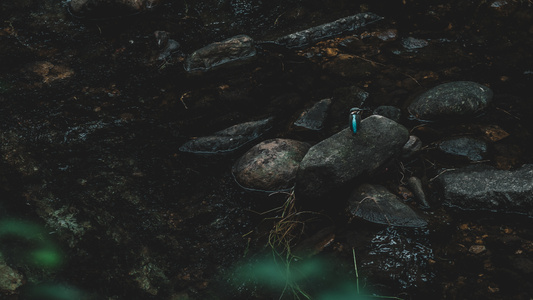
[477, 249]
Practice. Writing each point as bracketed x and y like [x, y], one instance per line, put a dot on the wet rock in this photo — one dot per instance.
[413, 145]
[451, 100]
[314, 118]
[391, 112]
[312, 35]
[171, 47]
[344, 156]
[270, 165]
[401, 256]
[415, 184]
[482, 187]
[467, 147]
[229, 139]
[10, 279]
[385, 35]
[168, 46]
[412, 43]
[376, 204]
[90, 6]
[237, 48]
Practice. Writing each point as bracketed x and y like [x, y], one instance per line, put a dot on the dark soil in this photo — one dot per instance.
[91, 121]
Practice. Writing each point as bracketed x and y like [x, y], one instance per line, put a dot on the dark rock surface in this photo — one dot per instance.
[412, 43]
[229, 139]
[89, 6]
[486, 188]
[467, 147]
[451, 100]
[344, 156]
[314, 117]
[395, 256]
[376, 204]
[391, 112]
[237, 48]
[270, 165]
[315, 34]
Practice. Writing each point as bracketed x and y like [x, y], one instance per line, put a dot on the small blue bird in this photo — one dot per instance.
[355, 118]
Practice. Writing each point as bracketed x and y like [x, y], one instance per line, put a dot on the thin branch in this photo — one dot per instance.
[446, 170]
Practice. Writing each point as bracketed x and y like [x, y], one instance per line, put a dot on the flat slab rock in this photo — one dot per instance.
[318, 33]
[229, 139]
[270, 165]
[237, 48]
[451, 100]
[376, 204]
[345, 156]
[314, 117]
[470, 148]
[483, 187]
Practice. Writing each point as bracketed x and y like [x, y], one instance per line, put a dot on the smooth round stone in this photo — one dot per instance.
[459, 99]
[270, 165]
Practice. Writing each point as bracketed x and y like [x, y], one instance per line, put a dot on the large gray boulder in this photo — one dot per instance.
[345, 156]
[482, 187]
[237, 48]
[376, 204]
[270, 165]
[451, 100]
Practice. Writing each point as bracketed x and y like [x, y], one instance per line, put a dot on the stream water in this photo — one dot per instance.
[93, 112]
